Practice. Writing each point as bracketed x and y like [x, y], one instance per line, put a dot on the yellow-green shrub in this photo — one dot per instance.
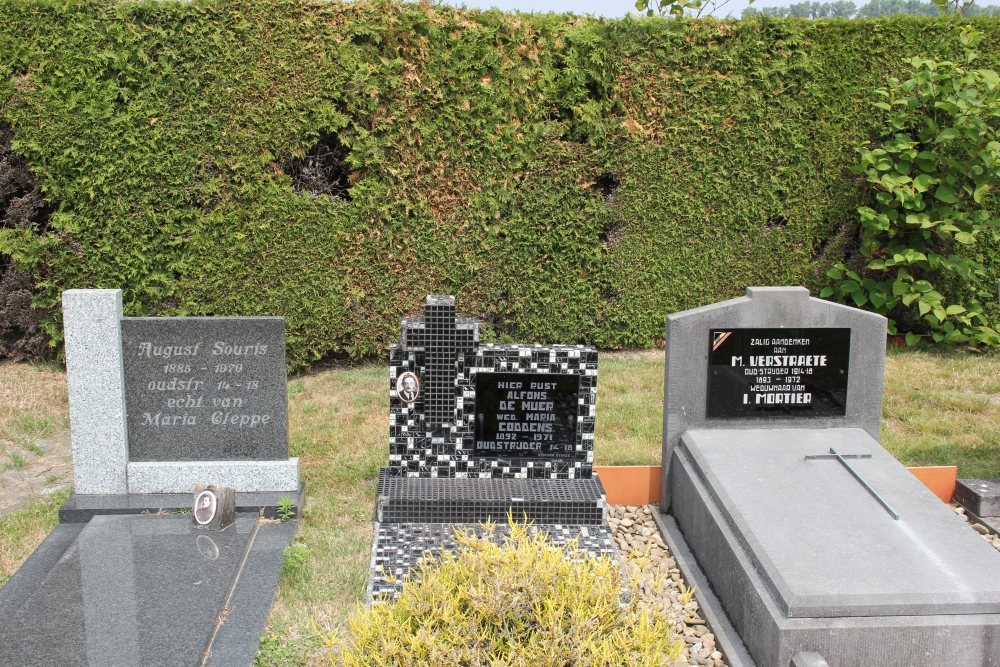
[523, 601]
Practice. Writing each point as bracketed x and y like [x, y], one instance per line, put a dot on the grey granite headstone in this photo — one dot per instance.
[205, 388]
[690, 373]
[158, 405]
[96, 390]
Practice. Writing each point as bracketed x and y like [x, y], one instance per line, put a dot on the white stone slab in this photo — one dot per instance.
[91, 322]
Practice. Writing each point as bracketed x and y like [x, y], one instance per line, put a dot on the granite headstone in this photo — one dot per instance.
[158, 405]
[205, 388]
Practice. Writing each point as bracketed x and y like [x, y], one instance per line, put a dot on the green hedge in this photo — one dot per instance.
[570, 179]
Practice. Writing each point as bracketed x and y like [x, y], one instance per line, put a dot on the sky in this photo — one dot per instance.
[617, 8]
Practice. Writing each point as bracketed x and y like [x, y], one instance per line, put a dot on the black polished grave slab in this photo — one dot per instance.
[143, 590]
[205, 388]
[770, 372]
[443, 500]
[399, 548]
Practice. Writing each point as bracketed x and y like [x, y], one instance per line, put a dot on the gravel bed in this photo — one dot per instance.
[658, 583]
[978, 527]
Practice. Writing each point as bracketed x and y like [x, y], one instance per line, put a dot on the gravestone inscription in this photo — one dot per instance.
[205, 388]
[529, 416]
[757, 372]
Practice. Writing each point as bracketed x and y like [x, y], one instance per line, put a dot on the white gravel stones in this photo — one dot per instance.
[658, 583]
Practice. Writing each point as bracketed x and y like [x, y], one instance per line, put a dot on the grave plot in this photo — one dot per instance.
[179, 434]
[477, 432]
[821, 548]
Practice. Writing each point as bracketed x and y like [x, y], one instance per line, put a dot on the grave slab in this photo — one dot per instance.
[131, 590]
[786, 508]
[804, 557]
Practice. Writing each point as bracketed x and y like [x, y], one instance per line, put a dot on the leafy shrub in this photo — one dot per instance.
[521, 602]
[932, 171]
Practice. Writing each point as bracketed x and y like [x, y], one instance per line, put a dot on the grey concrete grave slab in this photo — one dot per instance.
[824, 545]
[144, 590]
[803, 558]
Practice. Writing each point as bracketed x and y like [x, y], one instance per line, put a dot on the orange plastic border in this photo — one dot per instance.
[640, 485]
[939, 479]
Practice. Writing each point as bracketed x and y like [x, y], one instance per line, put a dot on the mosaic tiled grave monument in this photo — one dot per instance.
[159, 407]
[821, 547]
[477, 431]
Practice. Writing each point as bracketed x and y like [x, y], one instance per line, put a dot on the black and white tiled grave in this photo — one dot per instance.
[480, 432]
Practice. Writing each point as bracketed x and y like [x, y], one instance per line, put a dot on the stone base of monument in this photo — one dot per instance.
[806, 560]
[416, 518]
[120, 582]
[81, 508]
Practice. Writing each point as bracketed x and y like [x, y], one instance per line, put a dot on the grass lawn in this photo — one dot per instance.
[940, 408]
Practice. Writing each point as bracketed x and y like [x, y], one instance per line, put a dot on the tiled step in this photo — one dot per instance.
[450, 500]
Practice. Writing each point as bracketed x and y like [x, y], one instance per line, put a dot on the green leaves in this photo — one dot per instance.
[949, 116]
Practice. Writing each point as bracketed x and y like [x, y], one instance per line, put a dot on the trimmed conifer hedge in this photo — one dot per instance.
[570, 179]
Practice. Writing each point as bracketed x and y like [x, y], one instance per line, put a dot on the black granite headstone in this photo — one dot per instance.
[205, 388]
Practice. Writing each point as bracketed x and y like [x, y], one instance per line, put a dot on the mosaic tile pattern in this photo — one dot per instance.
[438, 481]
[400, 547]
[556, 501]
[434, 435]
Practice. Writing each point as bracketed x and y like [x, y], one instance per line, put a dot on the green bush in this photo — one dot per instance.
[570, 179]
[523, 602]
[931, 173]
